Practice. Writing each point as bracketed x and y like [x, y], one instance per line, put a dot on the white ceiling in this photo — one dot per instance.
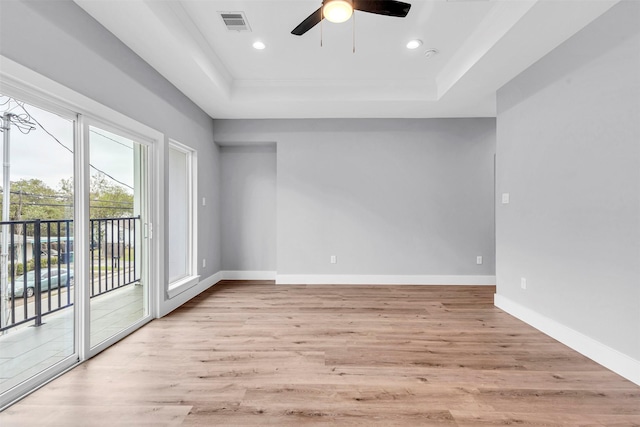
[482, 45]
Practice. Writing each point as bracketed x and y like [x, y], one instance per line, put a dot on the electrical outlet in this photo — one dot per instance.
[204, 202]
[523, 283]
[505, 198]
[479, 259]
[333, 259]
[204, 263]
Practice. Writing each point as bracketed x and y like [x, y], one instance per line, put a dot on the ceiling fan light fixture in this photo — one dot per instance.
[337, 11]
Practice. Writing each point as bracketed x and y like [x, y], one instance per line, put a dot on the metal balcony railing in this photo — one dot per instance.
[37, 275]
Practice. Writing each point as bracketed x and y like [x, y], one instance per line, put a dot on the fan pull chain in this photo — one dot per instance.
[354, 31]
[321, 19]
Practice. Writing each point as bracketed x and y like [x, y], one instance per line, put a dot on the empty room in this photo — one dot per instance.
[320, 212]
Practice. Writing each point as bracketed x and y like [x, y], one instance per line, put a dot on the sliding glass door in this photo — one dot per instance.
[38, 333]
[118, 285]
[74, 240]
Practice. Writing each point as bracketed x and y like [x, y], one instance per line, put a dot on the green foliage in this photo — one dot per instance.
[109, 200]
[31, 265]
[33, 199]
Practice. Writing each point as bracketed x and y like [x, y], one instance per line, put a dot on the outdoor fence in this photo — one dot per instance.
[37, 274]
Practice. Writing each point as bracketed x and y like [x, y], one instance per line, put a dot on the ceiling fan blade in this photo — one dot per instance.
[383, 7]
[311, 21]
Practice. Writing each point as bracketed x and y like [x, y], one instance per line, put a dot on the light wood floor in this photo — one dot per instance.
[253, 353]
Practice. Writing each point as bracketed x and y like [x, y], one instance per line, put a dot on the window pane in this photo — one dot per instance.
[179, 209]
[118, 287]
[36, 242]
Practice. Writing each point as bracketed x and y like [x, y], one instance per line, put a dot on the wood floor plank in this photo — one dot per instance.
[253, 353]
[95, 415]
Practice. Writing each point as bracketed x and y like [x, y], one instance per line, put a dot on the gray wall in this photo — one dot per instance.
[568, 152]
[388, 197]
[59, 40]
[248, 204]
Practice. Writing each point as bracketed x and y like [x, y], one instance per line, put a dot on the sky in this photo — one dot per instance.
[39, 155]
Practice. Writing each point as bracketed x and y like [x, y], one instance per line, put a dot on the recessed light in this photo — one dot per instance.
[259, 45]
[414, 44]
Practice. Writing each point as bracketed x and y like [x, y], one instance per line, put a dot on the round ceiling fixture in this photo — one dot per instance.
[414, 44]
[259, 45]
[337, 11]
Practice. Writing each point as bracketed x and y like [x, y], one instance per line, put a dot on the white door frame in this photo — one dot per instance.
[83, 223]
[27, 85]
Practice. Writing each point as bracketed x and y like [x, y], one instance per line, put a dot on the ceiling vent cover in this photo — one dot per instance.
[235, 21]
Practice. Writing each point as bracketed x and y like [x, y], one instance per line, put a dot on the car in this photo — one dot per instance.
[55, 280]
[53, 253]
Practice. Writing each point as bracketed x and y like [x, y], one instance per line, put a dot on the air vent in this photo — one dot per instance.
[235, 21]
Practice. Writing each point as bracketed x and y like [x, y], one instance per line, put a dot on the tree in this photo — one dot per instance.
[109, 200]
[33, 199]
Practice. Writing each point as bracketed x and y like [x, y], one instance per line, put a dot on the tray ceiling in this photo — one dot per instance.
[481, 44]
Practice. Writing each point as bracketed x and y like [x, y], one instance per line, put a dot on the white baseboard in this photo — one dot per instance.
[171, 304]
[183, 295]
[357, 279]
[247, 275]
[606, 356]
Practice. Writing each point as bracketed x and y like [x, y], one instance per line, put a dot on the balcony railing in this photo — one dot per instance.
[38, 278]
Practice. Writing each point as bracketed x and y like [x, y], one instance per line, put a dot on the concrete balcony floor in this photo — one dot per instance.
[28, 350]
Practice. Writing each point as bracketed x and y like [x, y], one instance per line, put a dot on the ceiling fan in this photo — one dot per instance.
[341, 10]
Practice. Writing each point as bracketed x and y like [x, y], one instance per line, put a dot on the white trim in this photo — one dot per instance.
[191, 159]
[248, 275]
[182, 285]
[606, 356]
[192, 286]
[82, 184]
[192, 292]
[357, 279]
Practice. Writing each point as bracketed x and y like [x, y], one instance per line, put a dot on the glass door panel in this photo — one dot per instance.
[118, 289]
[37, 294]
